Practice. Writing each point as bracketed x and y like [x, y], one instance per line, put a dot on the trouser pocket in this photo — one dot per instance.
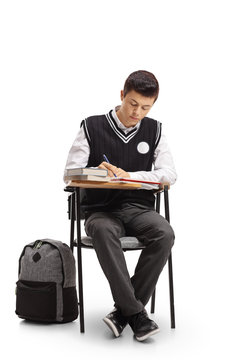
[36, 300]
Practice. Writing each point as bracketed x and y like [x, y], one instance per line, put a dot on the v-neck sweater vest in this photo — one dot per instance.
[133, 151]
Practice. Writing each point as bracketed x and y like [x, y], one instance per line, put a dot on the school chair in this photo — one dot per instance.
[128, 244]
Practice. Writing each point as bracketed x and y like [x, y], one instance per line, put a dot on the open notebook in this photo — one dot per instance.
[147, 185]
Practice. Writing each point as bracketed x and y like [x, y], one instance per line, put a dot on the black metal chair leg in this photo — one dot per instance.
[170, 271]
[153, 301]
[157, 207]
[72, 219]
[79, 258]
[171, 293]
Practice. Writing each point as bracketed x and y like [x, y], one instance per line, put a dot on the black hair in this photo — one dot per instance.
[143, 82]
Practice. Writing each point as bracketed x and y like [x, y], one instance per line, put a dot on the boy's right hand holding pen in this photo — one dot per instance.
[113, 171]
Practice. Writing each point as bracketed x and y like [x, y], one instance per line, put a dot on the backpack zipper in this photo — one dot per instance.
[37, 244]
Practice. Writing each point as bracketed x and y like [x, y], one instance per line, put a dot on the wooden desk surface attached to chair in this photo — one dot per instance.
[88, 184]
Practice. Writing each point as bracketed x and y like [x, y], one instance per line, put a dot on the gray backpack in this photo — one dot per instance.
[46, 287]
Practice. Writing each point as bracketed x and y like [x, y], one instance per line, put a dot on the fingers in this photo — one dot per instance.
[102, 166]
[109, 166]
[121, 173]
[113, 170]
[105, 165]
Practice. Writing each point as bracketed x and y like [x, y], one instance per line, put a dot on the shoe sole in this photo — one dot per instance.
[111, 326]
[144, 337]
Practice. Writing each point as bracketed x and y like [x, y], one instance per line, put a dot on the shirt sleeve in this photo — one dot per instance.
[163, 165]
[79, 152]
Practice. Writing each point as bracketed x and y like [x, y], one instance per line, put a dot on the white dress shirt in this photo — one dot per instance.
[163, 166]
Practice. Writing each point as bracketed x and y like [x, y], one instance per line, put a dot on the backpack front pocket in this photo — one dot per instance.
[36, 300]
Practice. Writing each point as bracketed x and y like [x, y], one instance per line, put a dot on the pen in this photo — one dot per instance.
[106, 159]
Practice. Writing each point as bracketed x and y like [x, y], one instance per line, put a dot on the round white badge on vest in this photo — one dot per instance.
[143, 147]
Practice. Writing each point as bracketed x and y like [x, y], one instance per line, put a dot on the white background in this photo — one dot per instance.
[64, 60]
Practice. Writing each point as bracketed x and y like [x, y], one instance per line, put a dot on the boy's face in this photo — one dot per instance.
[134, 108]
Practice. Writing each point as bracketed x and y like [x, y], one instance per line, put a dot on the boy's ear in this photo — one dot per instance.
[121, 95]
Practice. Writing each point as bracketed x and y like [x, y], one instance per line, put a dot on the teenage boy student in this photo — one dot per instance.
[136, 148]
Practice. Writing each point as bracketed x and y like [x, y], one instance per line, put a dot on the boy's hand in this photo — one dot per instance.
[113, 170]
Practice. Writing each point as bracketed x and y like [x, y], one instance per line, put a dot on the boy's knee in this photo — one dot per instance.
[166, 237]
[170, 236]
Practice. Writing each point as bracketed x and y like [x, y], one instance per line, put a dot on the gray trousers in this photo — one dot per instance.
[105, 228]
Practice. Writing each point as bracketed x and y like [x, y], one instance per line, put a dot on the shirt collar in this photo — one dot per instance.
[120, 124]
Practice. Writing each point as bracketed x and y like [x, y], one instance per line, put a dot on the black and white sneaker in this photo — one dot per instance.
[142, 326]
[116, 322]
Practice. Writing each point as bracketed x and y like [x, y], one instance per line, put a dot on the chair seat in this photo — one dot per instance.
[127, 242]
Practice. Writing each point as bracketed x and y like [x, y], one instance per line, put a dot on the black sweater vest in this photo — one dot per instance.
[131, 152]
